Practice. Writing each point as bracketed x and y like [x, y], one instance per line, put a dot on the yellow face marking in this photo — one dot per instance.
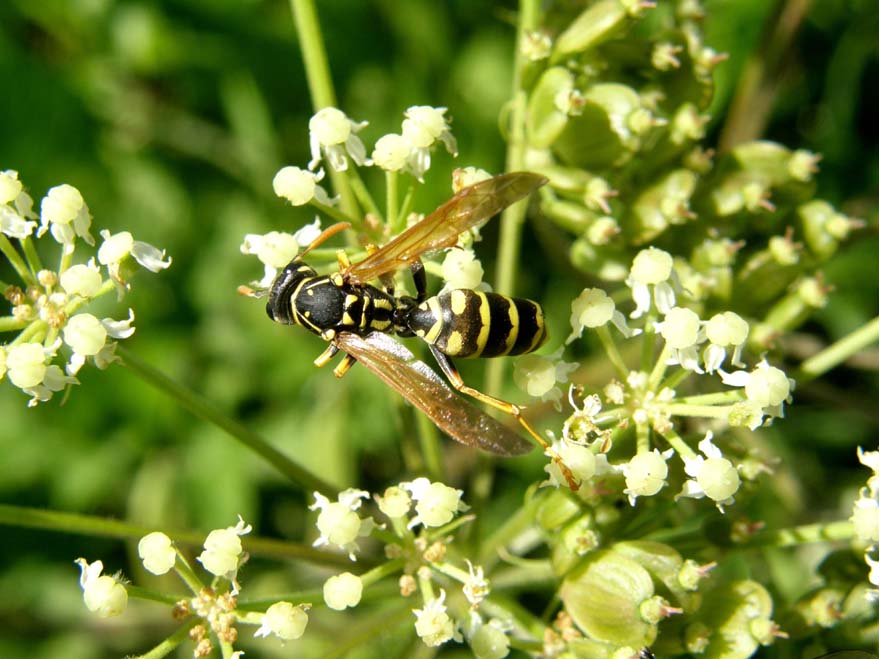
[459, 302]
[454, 343]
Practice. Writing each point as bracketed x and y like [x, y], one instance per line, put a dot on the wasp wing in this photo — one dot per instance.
[471, 207]
[397, 367]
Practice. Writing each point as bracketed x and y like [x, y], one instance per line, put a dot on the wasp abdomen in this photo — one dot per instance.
[465, 323]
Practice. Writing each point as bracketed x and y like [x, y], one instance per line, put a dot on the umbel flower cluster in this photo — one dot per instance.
[47, 301]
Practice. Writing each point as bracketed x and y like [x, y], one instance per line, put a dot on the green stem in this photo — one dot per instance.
[51, 520]
[335, 213]
[613, 353]
[151, 595]
[362, 193]
[11, 324]
[165, 648]
[8, 250]
[674, 440]
[431, 451]
[206, 411]
[702, 411]
[320, 85]
[837, 353]
[659, 368]
[806, 534]
[513, 217]
[33, 259]
[720, 398]
[408, 200]
[187, 574]
[391, 216]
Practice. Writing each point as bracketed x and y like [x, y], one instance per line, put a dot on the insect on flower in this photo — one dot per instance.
[355, 317]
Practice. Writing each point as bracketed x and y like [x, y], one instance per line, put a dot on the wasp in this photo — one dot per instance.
[357, 317]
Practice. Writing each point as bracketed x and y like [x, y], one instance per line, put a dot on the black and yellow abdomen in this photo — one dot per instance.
[465, 323]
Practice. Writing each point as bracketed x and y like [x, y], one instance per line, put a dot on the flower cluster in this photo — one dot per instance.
[647, 401]
[46, 307]
[421, 515]
[215, 606]
[865, 518]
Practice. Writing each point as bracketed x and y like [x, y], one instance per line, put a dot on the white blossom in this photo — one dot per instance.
[332, 133]
[223, 552]
[435, 503]
[651, 267]
[157, 552]
[538, 375]
[63, 211]
[342, 591]
[284, 620]
[299, 186]
[338, 522]
[83, 279]
[713, 475]
[103, 594]
[422, 127]
[646, 473]
[392, 152]
[433, 625]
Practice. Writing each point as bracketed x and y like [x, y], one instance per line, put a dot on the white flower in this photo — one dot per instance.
[157, 552]
[392, 152]
[87, 336]
[342, 591]
[476, 587]
[464, 177]
[433, 625]
[117, 247]
[332, 132]
[765, 386]
[276, 249]
[646, 473]
[536, 45]
[594, 308]
[722, 330]
[103, 595]
[54, 380]
[865, 518]
[223, 552]
[579, 460]
[299, 186]
[26, 364]
[83, 279]
[538, 375]
[395, 503]
[681, 329]
[10, 186]
[422, 127]
[338, 522]
[284, 620]
[64, 211]
[651, 267]
[461, 269]
[436, 503]
[713, 476]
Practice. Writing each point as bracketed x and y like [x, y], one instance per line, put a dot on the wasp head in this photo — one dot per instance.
[278, 307]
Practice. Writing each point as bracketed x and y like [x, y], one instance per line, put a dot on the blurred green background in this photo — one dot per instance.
[171, 119]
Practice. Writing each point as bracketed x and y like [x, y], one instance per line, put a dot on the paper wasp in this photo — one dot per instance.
[356, 317]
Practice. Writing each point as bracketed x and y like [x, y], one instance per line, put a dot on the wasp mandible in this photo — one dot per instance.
[356, 317]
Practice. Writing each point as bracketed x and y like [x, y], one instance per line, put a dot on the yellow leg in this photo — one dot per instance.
[326, 355]
[347, 362]
[509, 408]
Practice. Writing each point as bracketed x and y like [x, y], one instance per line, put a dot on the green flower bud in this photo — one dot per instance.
[556, 508]
[546, 118]
[597, 24]
[729, 612]
[575, 541]
[603, 596]
[608, 130]
[663, 204]
[824, 228]
[608, 263]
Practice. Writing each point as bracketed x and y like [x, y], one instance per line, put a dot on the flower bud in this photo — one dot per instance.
[157, 552]
[285, 621]
[342, 591]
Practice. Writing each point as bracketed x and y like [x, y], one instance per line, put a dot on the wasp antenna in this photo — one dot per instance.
[325, 235]
[252, 292]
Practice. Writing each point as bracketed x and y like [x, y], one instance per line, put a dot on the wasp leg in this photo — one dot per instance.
[420, 278]
[326, 355]
[513, 410]
[347, 362]
[342, 258]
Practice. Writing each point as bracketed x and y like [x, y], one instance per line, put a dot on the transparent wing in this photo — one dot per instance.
[421, 386]
[471, 207]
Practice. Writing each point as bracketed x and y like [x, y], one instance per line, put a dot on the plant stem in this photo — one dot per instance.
[164, 648]
[514, 216]
[837, 353]
[206, 411]
[320, 84]
[11, 324]
[391, 216]
[53, 520]
[8, 250]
